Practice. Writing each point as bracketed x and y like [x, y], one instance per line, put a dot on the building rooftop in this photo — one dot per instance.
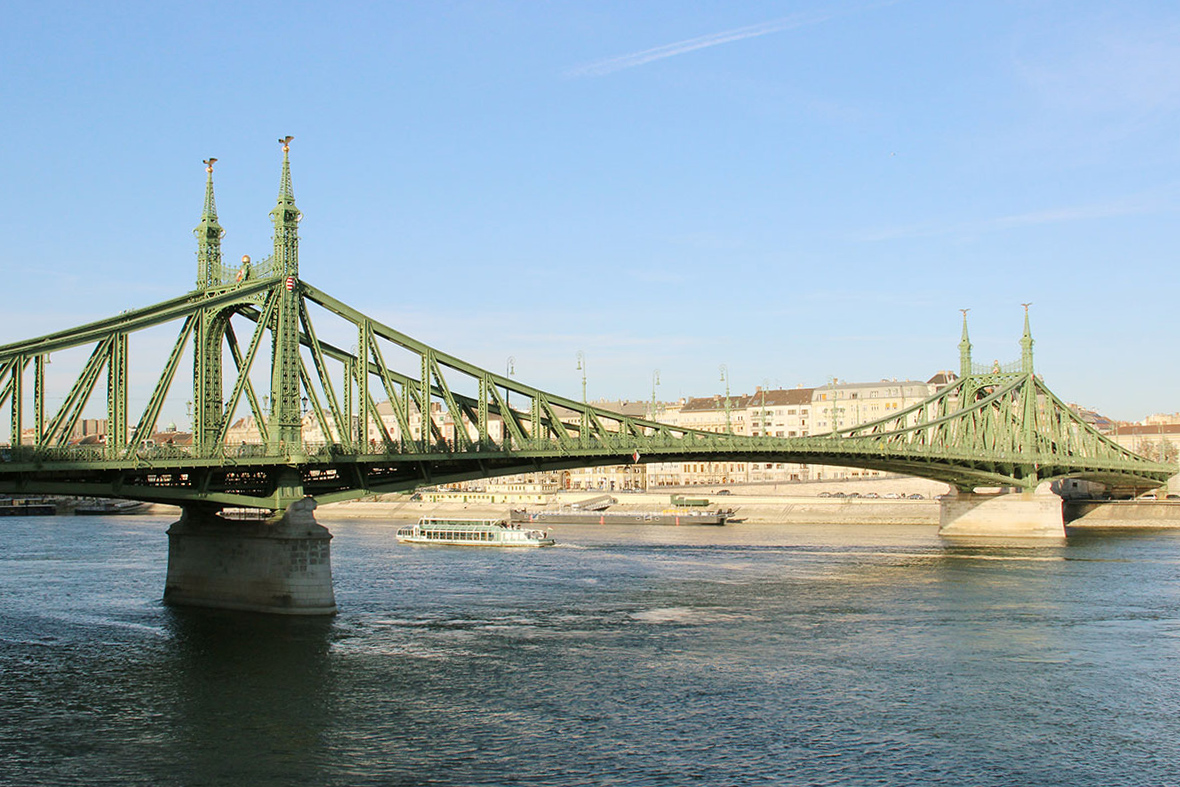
[778, 397]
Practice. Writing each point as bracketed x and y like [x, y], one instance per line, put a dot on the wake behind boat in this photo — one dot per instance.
[472, 533]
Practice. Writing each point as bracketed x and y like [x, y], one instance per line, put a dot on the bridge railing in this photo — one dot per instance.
[609, 443]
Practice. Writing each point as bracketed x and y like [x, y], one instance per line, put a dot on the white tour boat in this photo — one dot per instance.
[472, 533]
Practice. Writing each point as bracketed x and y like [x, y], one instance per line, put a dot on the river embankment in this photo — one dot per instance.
[1121, 514]
[800, 510]
[804, 504]
[763, 504]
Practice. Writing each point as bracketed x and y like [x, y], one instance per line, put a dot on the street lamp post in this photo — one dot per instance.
[509, 371]
[655, 380]
[582, 369]
[728, 422]
[585, 417]
[725, 379]
[762, 414]
[835, 413]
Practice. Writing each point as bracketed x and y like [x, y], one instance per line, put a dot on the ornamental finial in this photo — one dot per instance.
[208, 234]
[286, 143]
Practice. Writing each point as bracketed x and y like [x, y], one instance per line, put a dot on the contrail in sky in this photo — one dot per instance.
[610, 65]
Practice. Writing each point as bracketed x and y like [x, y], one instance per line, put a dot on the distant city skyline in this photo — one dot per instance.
[796, 190]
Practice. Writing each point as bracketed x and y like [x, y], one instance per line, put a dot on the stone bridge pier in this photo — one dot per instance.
[1019, 514]
[280, 565]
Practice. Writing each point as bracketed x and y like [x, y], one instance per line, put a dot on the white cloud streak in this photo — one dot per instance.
[613, 64]
[1062, 215]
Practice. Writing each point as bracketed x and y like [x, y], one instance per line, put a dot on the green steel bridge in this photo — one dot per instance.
[389, 413]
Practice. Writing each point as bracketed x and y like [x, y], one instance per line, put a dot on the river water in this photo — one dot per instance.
[744, 655]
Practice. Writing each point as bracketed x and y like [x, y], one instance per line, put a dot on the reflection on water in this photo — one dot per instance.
[244, 684]
[645, 656]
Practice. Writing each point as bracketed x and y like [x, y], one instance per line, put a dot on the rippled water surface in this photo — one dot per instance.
[745, 655]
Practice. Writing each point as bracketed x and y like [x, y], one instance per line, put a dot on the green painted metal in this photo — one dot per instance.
[965, 349]
[1026, 345]
[995, 426]
[117, 427]
[15, 391]
[285, 382]
[210, 324]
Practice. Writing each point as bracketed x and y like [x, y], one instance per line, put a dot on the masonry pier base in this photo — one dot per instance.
[1014, 515]
[281, 565]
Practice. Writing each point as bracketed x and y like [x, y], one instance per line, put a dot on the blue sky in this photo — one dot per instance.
[797, 190]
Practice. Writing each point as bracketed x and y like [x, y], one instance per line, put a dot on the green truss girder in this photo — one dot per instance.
[996, 429]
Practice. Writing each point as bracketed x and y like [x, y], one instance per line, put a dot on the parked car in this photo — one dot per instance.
[723, 492]
[871, 495]
[916, 496]
[825, 494]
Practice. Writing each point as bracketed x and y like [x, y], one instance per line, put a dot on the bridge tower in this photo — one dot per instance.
[1031, 510]
[281, 565]
[209, 331]
[965, 350]
[285, 433]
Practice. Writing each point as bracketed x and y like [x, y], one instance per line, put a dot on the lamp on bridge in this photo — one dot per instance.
[655, 380]
[583, 430]
[725, 379]
[835, 412]
[762, 415]
[582, 369]
[509, 371]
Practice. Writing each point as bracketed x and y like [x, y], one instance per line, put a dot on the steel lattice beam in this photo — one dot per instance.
[993, 427]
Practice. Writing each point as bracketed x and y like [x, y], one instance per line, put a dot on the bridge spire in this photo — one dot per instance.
[965, 349]
[286, 220]
[286, 435]
[207, 412]
[209, 234]
[1026, 344]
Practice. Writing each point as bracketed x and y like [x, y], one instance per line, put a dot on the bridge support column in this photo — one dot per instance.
[282, 565]
[1015, 515]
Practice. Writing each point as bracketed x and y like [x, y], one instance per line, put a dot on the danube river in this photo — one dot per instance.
[745, 655]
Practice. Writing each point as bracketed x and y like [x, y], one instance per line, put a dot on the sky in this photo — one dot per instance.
[794, 191]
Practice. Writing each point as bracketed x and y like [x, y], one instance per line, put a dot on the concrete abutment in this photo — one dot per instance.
[1013, 515]
[281, 565]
